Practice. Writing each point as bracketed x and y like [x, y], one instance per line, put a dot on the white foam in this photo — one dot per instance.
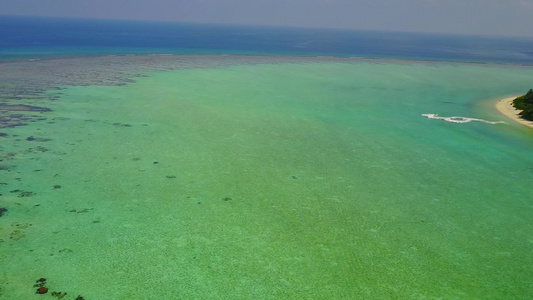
[459, 119]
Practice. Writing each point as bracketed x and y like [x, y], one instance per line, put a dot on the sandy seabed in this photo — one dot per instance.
[243, 178]
[505, 106]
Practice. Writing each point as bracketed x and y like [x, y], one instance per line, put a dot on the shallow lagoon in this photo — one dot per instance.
[273, 179]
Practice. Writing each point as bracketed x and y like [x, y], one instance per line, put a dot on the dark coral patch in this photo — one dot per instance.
[23, 107]
[22, 193]
[37, 139]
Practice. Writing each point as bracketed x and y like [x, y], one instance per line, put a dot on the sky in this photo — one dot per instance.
[485, 17]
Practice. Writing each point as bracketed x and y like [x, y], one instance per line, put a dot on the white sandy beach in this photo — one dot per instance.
[505, 107]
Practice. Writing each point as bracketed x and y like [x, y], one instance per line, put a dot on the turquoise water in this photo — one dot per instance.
[310, 180]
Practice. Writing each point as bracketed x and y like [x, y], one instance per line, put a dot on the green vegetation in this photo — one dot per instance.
[525, 103]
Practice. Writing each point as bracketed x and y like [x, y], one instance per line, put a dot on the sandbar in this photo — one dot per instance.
[505, 107]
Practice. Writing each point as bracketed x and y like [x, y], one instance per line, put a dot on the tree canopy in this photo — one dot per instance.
[525, 103]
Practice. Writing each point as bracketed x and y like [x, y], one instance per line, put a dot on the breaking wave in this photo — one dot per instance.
[459, 119]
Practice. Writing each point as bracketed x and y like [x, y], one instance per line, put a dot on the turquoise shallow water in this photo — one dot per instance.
[317, 180]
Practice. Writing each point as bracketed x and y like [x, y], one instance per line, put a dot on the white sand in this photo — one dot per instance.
[505, 106]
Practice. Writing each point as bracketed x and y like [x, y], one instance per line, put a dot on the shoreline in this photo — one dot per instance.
[505, 107]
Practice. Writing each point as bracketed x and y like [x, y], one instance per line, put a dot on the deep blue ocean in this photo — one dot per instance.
[24, 38]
